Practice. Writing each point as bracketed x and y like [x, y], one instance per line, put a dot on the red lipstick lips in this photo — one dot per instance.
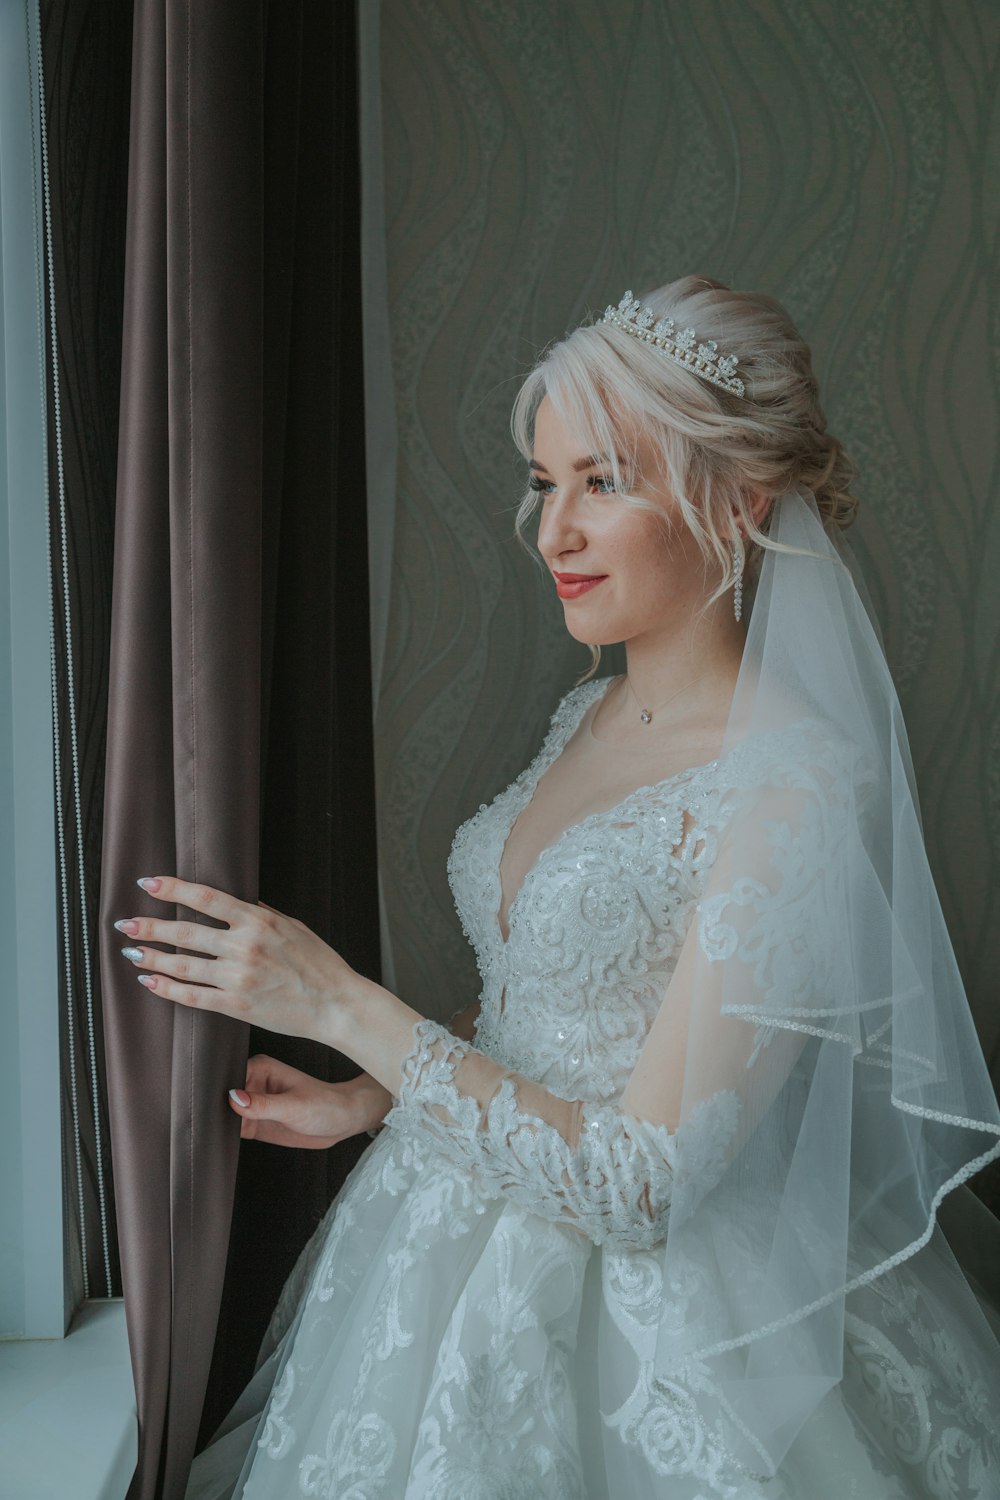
[572, 585]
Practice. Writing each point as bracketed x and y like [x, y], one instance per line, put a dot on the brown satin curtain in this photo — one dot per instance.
[239, 717]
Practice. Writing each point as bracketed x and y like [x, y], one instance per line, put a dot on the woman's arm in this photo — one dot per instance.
[608, 1169]
[461, 1024]
[291, 1108]
[284, 1106]
[595, 1168]
[274, 971]
[605, 1169]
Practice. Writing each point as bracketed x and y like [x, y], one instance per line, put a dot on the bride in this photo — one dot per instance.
[657, 1216]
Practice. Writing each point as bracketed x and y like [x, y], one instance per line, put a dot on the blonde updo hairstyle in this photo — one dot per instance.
[708, 443]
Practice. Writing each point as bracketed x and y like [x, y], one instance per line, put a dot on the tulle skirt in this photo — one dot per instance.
[433, 1344]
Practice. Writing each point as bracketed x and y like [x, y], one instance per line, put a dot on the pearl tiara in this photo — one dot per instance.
[642, 323]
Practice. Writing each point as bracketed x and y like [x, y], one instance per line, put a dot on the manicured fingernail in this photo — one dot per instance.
[239, 1097]
[149, 980]
[149, 882]
[129, 925]
[135, 954]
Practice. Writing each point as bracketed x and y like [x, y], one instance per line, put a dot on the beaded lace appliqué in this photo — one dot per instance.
[595, 927]
[614, 1185]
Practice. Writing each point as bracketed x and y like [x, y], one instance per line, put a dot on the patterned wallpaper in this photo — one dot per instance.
[539, 157]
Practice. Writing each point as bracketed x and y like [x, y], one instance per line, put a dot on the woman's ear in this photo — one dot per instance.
[760, 502]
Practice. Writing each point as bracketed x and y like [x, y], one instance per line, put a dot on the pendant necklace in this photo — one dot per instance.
[646, 714]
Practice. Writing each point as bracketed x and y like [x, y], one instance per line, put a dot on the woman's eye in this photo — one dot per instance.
[603, 483]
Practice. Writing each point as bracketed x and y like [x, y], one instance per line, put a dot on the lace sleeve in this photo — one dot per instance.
[461, 1023]
[607, 1174]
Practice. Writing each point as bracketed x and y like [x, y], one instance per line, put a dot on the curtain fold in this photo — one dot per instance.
[86, 52]
[318, 849]
[239, 718]
[183, 716]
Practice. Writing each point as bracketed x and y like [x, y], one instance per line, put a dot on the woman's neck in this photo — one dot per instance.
[660, 663]
[680, 681]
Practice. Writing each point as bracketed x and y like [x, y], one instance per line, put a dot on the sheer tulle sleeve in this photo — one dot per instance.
[606, 1173]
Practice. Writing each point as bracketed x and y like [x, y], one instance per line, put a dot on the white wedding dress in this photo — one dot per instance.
[476, 1314]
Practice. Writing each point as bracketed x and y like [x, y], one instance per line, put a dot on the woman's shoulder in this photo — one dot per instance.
[574, 703]
[582, 693]
[808, 754]
[794, 748]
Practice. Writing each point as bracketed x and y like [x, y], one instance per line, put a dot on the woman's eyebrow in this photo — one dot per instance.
[592, 462]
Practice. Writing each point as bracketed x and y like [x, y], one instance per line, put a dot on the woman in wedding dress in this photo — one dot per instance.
[656, 1215]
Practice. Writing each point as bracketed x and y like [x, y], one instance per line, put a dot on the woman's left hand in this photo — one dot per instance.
[264, 968]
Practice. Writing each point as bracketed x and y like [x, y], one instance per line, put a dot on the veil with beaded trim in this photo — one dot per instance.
[821, 988]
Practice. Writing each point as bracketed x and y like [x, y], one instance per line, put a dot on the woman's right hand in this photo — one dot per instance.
[291, 1108]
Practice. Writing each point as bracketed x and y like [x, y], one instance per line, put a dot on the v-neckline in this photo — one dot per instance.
[543, 763]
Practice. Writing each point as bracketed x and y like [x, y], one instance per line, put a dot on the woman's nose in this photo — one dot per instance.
[559, 529]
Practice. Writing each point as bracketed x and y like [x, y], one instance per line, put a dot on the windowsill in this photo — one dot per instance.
[67, 1411]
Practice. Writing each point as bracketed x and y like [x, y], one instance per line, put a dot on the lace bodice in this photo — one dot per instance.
[568, 1000]
[597, 924]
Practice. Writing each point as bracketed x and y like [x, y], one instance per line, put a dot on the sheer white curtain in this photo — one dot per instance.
[380, 404]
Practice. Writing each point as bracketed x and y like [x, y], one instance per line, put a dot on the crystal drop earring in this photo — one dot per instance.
[738, 586]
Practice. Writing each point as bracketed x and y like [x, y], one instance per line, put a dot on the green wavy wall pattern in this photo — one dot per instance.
[539, 158]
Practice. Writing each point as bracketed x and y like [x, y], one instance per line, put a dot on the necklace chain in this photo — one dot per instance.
[646, 714]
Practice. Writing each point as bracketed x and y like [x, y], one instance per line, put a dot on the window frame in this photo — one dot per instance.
[36, 1295]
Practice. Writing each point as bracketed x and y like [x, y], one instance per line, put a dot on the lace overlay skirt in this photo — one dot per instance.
[435, 1344]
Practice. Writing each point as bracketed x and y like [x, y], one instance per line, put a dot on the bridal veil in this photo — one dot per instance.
[820, 987]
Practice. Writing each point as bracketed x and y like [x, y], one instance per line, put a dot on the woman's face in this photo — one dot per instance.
[650, 581]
